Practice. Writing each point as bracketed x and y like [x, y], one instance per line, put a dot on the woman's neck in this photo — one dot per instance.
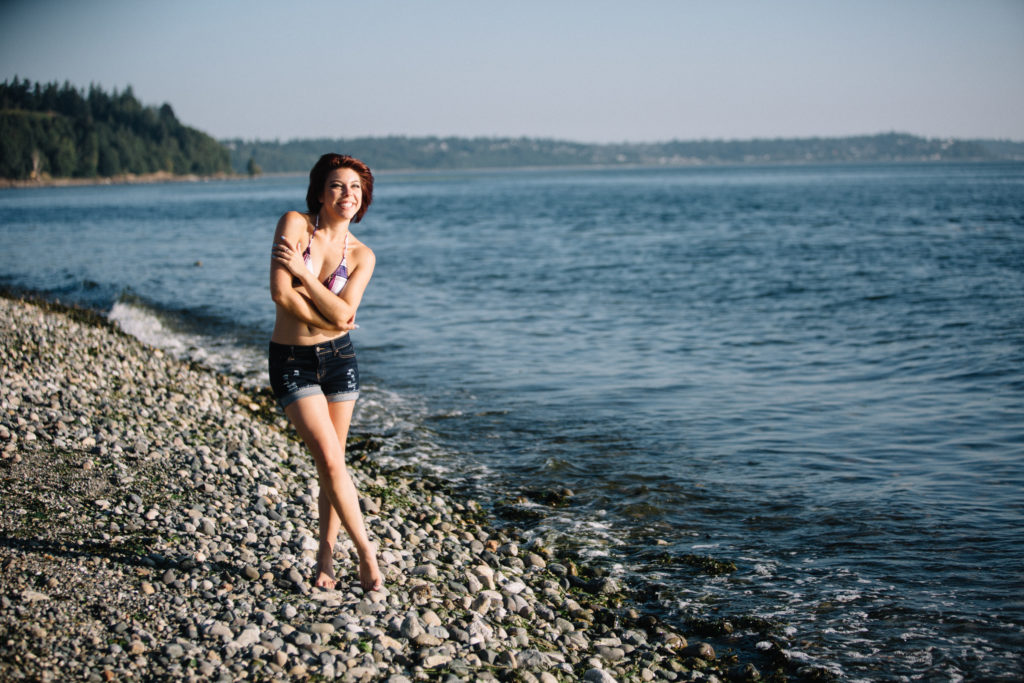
[334, 226]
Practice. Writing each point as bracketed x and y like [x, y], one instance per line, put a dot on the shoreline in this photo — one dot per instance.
[120, 179]
[162, 524]
[164, 177]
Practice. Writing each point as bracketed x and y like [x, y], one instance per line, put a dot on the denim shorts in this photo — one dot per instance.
[328, 369]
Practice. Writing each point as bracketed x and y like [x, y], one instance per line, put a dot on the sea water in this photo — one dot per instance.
[813, 372]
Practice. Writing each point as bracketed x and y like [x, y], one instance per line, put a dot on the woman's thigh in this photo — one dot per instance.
[313, 418]
[341, 418]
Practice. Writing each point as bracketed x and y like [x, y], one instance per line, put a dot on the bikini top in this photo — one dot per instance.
[336, 280]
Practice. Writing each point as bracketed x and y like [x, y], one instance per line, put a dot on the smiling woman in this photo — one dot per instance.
[313, 369]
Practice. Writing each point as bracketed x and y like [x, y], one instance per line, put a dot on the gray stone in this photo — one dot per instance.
[433, 659]
[427, 570]
[29, 595]
[250, 635]
[507, 660]
[426, 640]
[481, 604]
[612, 654]
[411, 627]
[598, 676]
[174, 651]
[534, 659]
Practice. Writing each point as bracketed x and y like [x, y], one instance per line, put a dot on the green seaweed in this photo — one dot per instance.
[704, 563]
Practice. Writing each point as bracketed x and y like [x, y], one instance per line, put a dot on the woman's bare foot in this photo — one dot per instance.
[369, 573]
[325, 570]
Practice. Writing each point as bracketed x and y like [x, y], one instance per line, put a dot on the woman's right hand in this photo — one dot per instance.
[289, 256]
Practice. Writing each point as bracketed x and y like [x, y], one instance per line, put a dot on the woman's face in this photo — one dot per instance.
[343, 193]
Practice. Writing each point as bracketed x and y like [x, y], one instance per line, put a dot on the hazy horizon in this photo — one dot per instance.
[613, 142]
[595, 72]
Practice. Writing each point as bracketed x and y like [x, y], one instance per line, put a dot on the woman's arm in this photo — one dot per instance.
[338, 310]
[292, 228]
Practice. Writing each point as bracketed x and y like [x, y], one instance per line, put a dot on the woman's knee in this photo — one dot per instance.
[331, 463]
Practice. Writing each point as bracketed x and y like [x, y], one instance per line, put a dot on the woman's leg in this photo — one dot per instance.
[314, 419]
[369, 573]
[330, 523]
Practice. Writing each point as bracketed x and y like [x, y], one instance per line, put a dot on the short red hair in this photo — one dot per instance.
[318, 178]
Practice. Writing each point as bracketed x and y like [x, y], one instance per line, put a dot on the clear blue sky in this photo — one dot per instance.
[591, 71]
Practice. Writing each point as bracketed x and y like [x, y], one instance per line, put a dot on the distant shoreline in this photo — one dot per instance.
[120, 179]
[164, 177]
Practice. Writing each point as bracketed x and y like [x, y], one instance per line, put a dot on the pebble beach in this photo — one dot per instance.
[159, 522]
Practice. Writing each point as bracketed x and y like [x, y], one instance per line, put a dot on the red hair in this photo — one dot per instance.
[318, 178]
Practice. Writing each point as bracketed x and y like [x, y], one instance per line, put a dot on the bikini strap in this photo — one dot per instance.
[309, 246]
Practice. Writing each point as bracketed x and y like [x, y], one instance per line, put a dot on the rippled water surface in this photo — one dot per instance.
[816, 373]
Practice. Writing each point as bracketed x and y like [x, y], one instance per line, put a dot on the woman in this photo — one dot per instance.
[318, 273]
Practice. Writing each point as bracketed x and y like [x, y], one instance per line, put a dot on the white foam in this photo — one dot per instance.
[217, 354]
[147, 328]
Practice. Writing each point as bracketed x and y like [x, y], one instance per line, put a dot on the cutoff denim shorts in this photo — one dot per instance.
[327, 369]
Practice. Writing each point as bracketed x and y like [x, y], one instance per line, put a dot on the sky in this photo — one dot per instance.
[587, 71]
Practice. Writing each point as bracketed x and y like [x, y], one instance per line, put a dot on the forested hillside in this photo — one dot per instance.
[57, 131]
[399, 152]
[61, 132]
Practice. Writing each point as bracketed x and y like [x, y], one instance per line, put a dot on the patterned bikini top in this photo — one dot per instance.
[336, 281]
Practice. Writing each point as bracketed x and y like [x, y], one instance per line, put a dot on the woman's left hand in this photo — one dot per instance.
[289, 256]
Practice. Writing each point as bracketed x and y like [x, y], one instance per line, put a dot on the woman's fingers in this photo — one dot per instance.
[281, 250]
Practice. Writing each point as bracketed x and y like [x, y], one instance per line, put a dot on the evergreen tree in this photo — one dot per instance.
[59, 131]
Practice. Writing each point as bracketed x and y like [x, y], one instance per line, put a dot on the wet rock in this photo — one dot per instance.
[746, 673]
[700, 650]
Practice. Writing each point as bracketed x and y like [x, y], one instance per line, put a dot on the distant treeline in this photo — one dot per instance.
[398, 152]
[58, 131]
[61, 132]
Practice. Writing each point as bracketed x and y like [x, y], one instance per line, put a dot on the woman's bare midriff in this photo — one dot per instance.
[289, 330]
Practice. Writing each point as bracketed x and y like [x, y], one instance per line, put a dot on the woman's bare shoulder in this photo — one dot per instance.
[361, 252]
[296, 217]
[294, 222]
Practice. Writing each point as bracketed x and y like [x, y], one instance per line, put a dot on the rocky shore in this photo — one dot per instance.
[159, 522]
